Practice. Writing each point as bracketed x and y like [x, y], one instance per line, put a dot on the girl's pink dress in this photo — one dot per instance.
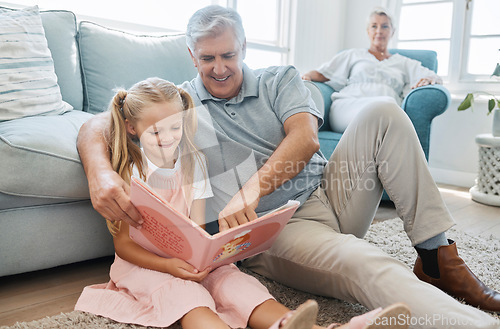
[150, 298]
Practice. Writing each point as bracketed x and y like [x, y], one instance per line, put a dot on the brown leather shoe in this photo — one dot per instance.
[457, 280]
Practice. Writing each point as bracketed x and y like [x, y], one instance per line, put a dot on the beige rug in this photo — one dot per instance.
[481, 254]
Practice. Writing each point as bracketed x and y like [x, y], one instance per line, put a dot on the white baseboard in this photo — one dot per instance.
[452, 177]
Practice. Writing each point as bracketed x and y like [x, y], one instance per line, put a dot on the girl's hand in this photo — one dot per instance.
[183, 270]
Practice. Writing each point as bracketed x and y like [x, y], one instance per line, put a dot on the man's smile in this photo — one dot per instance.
[221, 79]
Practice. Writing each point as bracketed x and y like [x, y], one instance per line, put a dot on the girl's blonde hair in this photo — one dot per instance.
[130, 105]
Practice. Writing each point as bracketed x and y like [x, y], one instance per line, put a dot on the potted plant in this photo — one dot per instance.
[493, 104]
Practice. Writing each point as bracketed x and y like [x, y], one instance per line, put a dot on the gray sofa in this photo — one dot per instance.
[46, 217]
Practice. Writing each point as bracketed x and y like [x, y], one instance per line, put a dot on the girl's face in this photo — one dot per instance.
[160, 131]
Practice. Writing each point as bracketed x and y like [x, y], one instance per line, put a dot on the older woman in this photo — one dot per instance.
[363, 76]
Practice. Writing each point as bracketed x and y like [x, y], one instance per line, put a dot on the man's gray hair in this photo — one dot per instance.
[211, 21]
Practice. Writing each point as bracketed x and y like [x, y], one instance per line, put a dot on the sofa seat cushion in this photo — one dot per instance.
[39, 157]
[13, 202]
[114, 59]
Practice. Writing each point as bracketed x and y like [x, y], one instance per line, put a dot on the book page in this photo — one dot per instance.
[169, 233]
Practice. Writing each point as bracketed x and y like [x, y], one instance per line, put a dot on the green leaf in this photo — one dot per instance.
[491, 105]
[496, 72]
[467, 102]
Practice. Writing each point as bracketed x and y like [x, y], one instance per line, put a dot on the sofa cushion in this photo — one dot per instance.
[39, 157]
[28, 83]
[60, 31]
[112, 59]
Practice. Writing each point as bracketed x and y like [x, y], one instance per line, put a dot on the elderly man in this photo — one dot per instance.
[258, 130]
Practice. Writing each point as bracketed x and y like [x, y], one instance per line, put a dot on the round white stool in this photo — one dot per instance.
[487, 188]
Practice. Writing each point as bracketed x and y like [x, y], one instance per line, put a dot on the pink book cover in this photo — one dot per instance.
[169, 233]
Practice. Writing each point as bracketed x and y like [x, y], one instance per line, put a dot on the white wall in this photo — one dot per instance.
[318, 33]
[453, 151]
[356, 18]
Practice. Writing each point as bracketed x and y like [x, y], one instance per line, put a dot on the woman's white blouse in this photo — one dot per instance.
[357, 73]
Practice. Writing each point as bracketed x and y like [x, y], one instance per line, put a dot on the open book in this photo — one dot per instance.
[169, 233]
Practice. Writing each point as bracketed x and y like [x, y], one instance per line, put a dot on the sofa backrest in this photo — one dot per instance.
[114, 59]
[60, 31]
[428, 58]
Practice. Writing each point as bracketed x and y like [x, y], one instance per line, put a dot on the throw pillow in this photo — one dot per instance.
[112, 58]
[28, 83]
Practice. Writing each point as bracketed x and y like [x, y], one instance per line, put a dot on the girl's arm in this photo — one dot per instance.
[198, 212]
[133, 253]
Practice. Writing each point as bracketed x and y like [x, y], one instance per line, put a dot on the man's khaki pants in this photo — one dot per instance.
[321, 249]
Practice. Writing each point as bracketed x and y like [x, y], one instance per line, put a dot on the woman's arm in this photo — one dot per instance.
[133, 253]
[421, 74]
[314, 76]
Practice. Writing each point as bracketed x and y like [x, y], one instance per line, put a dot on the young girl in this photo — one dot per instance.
[150, 290]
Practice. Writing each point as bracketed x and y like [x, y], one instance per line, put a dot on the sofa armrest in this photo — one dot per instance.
[422, 105]
[326, 92]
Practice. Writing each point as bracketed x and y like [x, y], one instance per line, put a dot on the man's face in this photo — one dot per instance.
[219, 61]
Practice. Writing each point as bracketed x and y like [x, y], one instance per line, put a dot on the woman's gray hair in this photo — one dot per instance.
[211, 21]
[381, 12]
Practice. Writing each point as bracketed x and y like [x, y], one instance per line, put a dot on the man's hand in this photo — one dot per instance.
[108, 192]
[183, 270]
[241, 208]
[110, 197]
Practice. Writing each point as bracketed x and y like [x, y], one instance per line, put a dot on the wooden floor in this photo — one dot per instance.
[35, 295]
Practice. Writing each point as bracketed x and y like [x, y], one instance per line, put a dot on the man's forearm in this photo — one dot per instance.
[291, 156]
[108, 191]
[92, 144]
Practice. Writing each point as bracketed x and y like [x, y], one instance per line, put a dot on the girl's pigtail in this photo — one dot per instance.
[118, 138]
[118, 145]
[124, 152]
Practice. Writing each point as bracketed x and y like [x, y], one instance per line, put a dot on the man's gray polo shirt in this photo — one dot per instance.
[239, 135]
